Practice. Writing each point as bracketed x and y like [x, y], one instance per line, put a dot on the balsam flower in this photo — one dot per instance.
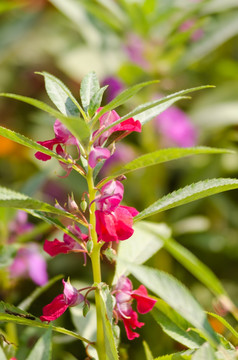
[68, 244]
[125, 295]
[113, 222]
[29, 263]
[70, 297]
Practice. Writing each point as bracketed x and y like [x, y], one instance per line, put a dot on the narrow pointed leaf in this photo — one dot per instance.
[89, 87]
[106, 314]
[205, 352]
[195, 266]
[148, 352]
[183, 355]
[23, 140]
[60, 95]
[188, 194]
[96, 100]
[175, 325]
[122, 98]
[76, 125]
[13, 199]
[42, 350]
[164, 155]
[177, 296]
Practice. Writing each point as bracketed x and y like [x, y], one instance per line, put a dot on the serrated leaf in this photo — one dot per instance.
[121, 99]
[205, 352]
[96, 100]
[76, 125]
[60, 95]
[23, 140]
[88, 88]
[42, 350]
[177, 296]
[175, 325]
[195, 266]
[147, 244]
[26, 320]
[164, 155]
[106, 314]
[188, 194]
[183, 355]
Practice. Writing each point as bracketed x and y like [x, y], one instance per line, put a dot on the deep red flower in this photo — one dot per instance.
[70, 297]
[125, 294]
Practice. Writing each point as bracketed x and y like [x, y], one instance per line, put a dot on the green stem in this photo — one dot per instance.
[96, 265]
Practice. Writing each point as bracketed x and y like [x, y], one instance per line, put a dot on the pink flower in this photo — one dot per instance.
[70, 297]
[135, 50]
[113, 222]
[115, 87]
[109, 118]
[62, 137]
[29, 263]
[188, 25]
[68, 244]
[19, 226]
[176, 127]
[97, 154]
[125, 294]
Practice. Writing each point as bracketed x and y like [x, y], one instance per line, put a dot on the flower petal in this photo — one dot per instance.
[144, 302]
[55, 309]
[132, 323]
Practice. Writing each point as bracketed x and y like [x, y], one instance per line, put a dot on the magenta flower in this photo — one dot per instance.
[70, 297]
[113, 222]
[29, 263]
[109, 118]
[62, 137]
[197, 34]
[97, 154]
[125, 294]
[68, 244]
[176, 127]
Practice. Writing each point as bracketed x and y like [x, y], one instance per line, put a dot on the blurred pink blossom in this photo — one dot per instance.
[115, 86]
[197, 34]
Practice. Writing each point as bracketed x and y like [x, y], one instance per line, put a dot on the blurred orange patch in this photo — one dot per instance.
[8, 147]
[216, 325]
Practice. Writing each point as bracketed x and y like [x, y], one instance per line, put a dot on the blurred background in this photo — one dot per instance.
[183, 43]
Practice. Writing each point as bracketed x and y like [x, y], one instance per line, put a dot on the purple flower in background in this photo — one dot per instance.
[29, 263]
[135, 50]
[176, 127]
[19, 226]
[115, 87]
[123, 154]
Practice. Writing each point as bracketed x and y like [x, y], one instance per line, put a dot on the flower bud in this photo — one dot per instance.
[73, 207]
[84, 205]
[89, 246]
[86, 308]
[110, 254]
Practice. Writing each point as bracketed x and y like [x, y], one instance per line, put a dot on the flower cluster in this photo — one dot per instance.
[113, 221]
[125, 295]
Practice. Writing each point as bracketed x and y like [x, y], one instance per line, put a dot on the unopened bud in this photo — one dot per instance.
[116, 331]
[73, 207]
[121, 177]
[110, 254]
[84, 205]
[89, 246]
[86, 308]
[58, 206]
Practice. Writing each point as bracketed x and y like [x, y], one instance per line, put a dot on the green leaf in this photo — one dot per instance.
[21, 139]
[205, 352]
[158, 106]
[121, 99]
[89, 87]
[188, 194]
[76, 125]
[96, 100]
[224, 322]
[161, 156]
[147, 244]
[106, 314]
[195, 266]
[27, 302]
[175, 325]
[148, 352]
[60, 95]
[42, 350]
[13, 199]
[2, 354]
[177, 296]
[7, 254]
[183, 355]
[21, 317]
